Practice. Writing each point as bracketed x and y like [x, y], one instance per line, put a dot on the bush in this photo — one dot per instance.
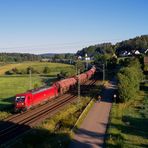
[33, 71]
[46, 70]
[128, 80]
[9, 72]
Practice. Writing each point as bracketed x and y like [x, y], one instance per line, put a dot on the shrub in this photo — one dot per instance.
[46, 70]
[128, 80]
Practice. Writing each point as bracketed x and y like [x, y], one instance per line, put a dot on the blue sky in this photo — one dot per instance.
[42, 26]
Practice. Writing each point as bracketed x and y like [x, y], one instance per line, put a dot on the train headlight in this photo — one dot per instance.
[22, 103]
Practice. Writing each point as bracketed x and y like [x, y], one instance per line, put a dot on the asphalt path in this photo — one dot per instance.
[92, 132]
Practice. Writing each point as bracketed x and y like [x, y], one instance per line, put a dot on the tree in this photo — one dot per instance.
[33, 71]
[46, 70]
[128, 80]
[80, 65]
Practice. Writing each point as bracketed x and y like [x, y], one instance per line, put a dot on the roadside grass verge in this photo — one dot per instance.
[82, 117]
[128, 123]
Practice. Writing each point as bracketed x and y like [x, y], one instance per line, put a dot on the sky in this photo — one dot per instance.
[61, 26]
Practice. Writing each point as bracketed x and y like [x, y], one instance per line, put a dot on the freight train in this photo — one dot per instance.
[34, 97]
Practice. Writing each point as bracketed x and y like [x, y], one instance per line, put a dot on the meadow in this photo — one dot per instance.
[39, 66]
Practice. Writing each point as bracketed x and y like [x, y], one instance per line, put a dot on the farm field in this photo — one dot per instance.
[54, 67]
[128, 124]
[14, 84]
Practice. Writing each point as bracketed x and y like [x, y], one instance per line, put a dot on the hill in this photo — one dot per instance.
[139, 43]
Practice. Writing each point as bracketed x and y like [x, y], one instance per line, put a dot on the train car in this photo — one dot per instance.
[89, 74]
[31, 98]
[82, 78]
[93, 70]
[64, 85]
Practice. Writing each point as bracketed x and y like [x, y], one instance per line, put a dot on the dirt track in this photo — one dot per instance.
[92, 131]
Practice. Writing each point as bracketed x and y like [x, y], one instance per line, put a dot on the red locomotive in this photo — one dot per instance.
[31, 98]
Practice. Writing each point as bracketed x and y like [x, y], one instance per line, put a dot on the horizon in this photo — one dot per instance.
[113, 43]
[40, 27]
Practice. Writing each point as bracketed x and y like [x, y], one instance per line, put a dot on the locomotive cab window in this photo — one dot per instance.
[20, 99]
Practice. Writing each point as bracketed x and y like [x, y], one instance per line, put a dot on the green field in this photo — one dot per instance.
[14, 84]
[39, 66]
[128, 125]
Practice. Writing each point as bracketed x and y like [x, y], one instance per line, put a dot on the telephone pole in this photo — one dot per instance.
[86, 62]
[78, 85]
[30, 79]
[103, 72]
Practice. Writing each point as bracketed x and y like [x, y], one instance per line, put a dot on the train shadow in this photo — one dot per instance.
[20, 135]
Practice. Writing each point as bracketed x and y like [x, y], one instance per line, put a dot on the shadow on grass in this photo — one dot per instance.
[24, 136]
[7, 104]
[137, 124]
[118, 138]
[133, 126]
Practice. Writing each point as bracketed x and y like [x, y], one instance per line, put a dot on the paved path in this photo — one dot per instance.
[92, 131]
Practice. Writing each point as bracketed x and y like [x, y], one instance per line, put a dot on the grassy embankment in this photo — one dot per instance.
[128, 123]
[13, 84]
[56, 131]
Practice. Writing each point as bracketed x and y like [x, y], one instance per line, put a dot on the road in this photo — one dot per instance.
[92, 131]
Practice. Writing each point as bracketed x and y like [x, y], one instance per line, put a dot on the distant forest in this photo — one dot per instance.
[18, 57]
[137, 43]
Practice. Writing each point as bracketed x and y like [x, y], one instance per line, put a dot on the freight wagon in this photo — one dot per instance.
[65, 85]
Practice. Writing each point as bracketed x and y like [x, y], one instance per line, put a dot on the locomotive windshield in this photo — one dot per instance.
[20, 99]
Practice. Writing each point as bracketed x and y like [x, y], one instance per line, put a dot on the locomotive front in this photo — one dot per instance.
[20, 102]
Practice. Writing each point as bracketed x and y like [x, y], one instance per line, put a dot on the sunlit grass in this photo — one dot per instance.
[128, 125]
[39, 66]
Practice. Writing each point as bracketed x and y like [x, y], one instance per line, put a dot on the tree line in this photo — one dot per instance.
[13, 71]
[138, 43]
[18, 57]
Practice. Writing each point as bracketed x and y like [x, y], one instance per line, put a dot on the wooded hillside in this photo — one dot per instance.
[139, 43]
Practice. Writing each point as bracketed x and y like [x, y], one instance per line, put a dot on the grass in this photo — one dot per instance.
[82, 116]
[128, 123]
[10, 86]
[54, 67]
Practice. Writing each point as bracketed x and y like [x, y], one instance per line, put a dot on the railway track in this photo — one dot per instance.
[17, 124]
